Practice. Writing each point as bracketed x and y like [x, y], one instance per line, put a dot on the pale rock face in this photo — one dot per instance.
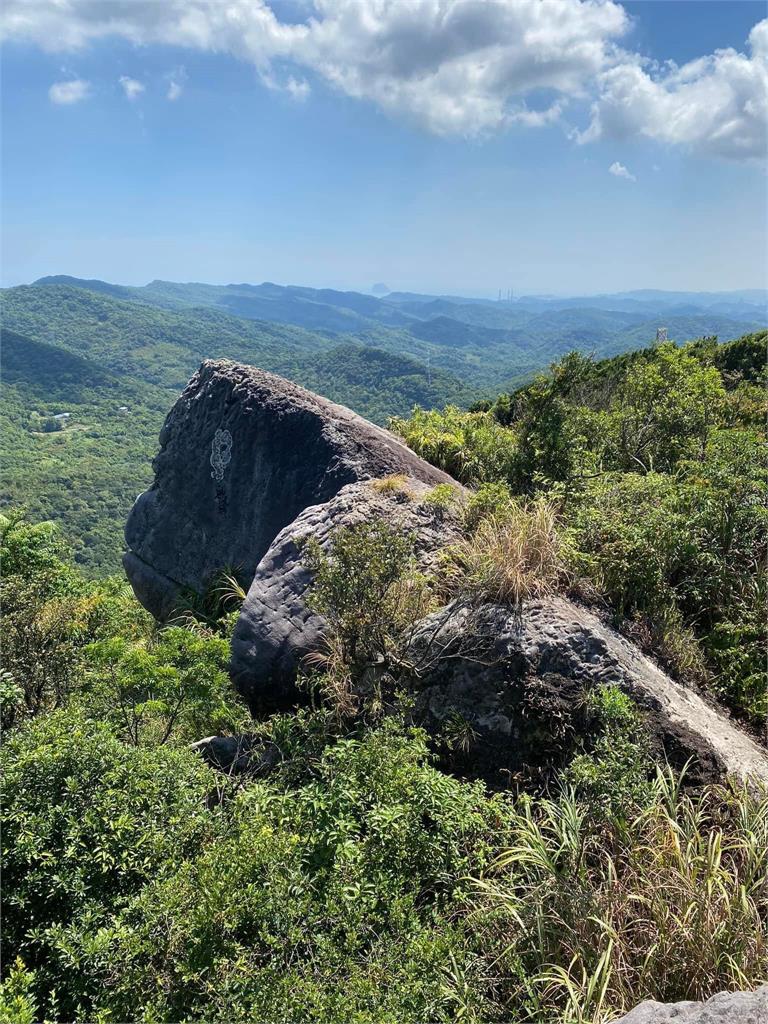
[723, 1008]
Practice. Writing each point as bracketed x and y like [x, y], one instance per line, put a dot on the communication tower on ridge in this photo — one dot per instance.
[661, 335]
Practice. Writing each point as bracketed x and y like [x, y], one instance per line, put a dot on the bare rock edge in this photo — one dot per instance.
[722, 1008]
[251, 464]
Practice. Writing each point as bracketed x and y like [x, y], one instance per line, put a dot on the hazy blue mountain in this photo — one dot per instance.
[479, 341]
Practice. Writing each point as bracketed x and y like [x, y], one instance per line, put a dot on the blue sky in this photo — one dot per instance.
[436, 145]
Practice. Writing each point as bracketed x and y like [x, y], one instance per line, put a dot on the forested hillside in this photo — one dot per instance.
[115, 367]
[654, 463]
[352, 870]
[484, 343]
[141, 345]
[86, 470]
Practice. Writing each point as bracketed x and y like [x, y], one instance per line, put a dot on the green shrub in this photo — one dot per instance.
[367, 589]
[17, 1000]
[489, 500]
[441, 497]
[174, 686]
[86, 822]
[613, 776]
[472, 447]
[331, 902]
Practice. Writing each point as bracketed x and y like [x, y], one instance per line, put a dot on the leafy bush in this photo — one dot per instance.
[472, 447]
[86, 822]
[612, 777]
[174, 686]
[331, 902]
[441, 497]
[370, 595]
[491, 499]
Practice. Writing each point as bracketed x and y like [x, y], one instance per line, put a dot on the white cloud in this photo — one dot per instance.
[456, 67]
[299, 89]
[716, 105]
[72, 91]
[131, 87]
[463, 67]
[620, 171]
[176, 80]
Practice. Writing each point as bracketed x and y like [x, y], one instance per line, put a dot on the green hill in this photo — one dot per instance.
[84, 473]
[114, 358]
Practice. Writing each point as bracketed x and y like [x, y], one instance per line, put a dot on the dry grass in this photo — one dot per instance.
[512, 556]
[335, 683]
[396, 483]
[671, 905]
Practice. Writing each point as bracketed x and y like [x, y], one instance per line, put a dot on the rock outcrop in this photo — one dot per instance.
[723, 1008]
[251, 466]
[516, 678]
[242, 453]
[276, 629]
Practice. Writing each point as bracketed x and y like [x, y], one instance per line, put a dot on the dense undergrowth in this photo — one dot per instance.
[654, 464]
[357, 880]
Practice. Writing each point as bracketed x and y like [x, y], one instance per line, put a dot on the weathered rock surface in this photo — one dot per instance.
[242, 453]
[503, 672]
[276, 629]
[723, 1008]
[251, 465]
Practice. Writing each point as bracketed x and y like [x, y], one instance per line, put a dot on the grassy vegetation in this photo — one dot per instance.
[356, 881]
[654, 465]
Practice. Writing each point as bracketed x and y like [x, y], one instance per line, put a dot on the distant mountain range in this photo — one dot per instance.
[114, 357]
[483, 343]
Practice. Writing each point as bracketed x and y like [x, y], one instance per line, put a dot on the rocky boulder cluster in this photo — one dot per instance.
[251, 466]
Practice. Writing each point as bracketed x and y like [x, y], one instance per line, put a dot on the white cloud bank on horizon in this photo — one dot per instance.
[71, 91]
[131, 87]
[456, 67]
[618, 170]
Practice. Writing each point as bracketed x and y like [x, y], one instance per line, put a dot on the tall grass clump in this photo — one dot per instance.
[514, 554]
[583, 922]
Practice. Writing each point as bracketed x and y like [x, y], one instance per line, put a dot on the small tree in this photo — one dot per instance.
[367, 589]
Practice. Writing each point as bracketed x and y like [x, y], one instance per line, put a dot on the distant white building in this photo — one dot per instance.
[62, 415]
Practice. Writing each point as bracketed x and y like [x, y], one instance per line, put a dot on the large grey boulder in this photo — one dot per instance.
[276, 628]
[723, 1008]
[517, 677]
[251, 465]
[242, 453]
